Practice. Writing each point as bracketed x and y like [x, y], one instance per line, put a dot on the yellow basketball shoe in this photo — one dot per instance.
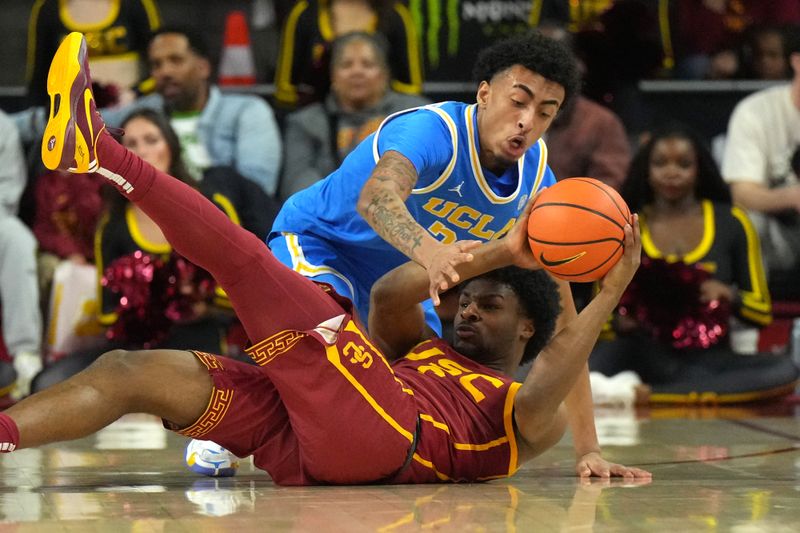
[74, 124]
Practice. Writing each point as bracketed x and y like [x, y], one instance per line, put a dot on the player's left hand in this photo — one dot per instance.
[593, 464]
[441, 269]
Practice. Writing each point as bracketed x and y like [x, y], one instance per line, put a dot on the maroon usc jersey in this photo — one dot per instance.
[324, 406]
[465, 410]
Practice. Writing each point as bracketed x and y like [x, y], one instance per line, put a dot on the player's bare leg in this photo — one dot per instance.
[170, 384]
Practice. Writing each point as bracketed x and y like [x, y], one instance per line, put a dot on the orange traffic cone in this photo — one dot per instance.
[236, 66]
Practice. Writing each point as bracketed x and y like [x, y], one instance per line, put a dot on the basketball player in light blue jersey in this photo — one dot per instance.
[431, 177]
[432, 181]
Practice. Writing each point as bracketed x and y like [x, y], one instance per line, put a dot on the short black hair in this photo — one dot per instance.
[196, 41]
[542, 55]
[538, 295]
[636, 189]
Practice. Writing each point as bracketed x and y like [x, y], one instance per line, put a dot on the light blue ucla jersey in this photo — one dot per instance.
[461, 204]
[454, 197]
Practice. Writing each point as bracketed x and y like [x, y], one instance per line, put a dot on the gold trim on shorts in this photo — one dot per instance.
[217, 405]
[271, 347]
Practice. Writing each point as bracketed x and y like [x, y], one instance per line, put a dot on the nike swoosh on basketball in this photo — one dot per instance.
[559, 262]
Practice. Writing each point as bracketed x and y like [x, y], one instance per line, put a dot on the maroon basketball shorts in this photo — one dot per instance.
[322, 407]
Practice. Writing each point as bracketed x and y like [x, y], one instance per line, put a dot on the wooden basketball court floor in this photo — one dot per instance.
[714, 469]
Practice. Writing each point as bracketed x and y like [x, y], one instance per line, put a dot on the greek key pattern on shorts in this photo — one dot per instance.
[211, 361]
[220, 401]
[271, 347]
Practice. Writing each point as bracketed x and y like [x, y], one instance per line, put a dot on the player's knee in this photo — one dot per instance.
[133, 361]
[127, 372]
[111, 360]
[126, 366]
[117, 364]
[113, 373]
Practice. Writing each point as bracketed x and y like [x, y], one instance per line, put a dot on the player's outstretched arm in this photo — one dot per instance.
[382, 204]
[557, 367]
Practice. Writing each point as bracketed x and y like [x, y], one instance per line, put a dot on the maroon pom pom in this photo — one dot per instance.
[152, 295]
[664, 298]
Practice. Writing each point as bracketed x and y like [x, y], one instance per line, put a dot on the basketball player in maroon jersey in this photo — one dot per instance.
[324, 405]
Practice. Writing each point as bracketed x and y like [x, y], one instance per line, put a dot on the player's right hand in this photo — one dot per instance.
[441, 269]
[622, 273]
[516, 240]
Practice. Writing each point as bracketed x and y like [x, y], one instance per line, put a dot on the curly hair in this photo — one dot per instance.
[539, 298]
[543, 55]
[636, 189]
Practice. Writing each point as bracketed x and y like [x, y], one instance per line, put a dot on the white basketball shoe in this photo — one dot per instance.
[210, 459]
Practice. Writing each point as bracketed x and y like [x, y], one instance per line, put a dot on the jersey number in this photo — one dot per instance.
[442, 367]
[437, 229]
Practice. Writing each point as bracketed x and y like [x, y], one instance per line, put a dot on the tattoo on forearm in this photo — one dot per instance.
[394, 167]
[394, 223]
[386, 211]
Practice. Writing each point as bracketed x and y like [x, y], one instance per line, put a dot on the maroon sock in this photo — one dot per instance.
[116, 161]
[9, 434]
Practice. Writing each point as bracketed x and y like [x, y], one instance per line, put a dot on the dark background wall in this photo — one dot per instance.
[705, 105]
[209, 15]
[14, 32]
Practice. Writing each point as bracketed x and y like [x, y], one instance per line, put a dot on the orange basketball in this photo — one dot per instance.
[576, 229]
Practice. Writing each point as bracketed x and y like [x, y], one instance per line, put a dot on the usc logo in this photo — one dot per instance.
[358, 354]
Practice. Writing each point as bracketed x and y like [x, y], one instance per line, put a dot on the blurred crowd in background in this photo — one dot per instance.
[253, 101]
